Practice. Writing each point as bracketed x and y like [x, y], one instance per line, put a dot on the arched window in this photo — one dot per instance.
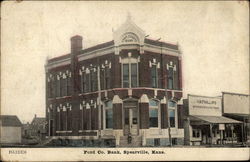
[108, 115]
[129, 72]
[172, 113]
[153, 114]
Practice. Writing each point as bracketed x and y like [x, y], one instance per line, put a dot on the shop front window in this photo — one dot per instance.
[196, 133]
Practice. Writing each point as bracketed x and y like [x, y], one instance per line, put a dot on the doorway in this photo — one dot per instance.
[130, 118]
[51, 128]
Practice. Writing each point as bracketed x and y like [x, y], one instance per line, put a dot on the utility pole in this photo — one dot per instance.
[99, 99]
[169, 129]
[166, 95]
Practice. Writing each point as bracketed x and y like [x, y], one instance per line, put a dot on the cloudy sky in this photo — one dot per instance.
[213, 36]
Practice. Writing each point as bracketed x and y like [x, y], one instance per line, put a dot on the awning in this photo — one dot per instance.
[214, 119]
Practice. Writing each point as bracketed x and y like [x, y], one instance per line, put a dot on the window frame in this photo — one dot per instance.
[196, 132]
[105, 108]
[156, 76]
[171, 108]
[130, 60]
[158, 115]
[105, 77]
[170, 78]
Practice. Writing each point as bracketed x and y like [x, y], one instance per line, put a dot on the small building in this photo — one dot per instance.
[37, 127]
[26, 130]
[236, 106]
[10, 129]
[204, 123]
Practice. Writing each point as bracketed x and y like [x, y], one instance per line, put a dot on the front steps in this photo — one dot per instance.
[134, 141]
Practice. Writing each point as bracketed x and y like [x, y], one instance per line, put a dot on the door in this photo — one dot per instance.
[51, 128]
[130, 118]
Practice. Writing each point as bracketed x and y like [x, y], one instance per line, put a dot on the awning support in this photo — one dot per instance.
[211, 133]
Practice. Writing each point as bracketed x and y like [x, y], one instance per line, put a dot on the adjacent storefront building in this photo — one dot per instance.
[204, 123]
[236, 106]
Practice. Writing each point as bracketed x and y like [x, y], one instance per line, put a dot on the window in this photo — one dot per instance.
[170, 78]
[153, 113]
[172, 113]
[54, 82]
[108, 115]
[58, 88]
[63, 86]
[129, 72]
[125, 75]
[61, 119]
[154, 79]
[68, 117]
[105, 78]
[133, 75]
[50, 89]
[196, 133]
[157, 142]
[68, 86]
[86, 82]
[93, 80]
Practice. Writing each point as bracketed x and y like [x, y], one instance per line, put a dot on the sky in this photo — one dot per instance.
[213, 37]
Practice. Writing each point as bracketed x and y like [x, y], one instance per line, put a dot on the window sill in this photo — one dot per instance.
[154, 128]
[63, 131]
[81, 131]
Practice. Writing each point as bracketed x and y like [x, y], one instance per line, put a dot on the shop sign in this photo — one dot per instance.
[208, 106]
[221, 126]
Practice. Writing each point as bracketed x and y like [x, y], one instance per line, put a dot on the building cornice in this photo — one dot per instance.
[111, 49]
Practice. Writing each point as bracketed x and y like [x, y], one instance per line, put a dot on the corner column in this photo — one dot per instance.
[117, 118]
[144, 117]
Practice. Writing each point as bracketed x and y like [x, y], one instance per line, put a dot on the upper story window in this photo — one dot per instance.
[63, 83]
[50, 85]
[93, 79]
[154, 65]
[154, 76]
[129, 72]
[88, 79]
[171, 70]
[153, 114]
[108, 115]
[105, 75]
[172, 114]
[129, 38]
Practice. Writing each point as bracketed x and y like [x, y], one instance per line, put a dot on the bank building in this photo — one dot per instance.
[125, 92]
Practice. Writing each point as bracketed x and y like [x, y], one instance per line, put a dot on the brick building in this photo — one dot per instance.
[126, 91]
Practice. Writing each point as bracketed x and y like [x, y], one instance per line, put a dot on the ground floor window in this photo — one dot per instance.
[196, 133]
[108, 115]
[172, 113]
[153, 113]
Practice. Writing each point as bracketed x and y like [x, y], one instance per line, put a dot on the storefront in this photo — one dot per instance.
[236, 106]
[205, 125]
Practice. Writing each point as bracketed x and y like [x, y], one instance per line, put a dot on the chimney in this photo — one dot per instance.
[35, 115]
[76, 43]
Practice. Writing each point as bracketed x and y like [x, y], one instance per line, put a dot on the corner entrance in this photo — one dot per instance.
[130, 118]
